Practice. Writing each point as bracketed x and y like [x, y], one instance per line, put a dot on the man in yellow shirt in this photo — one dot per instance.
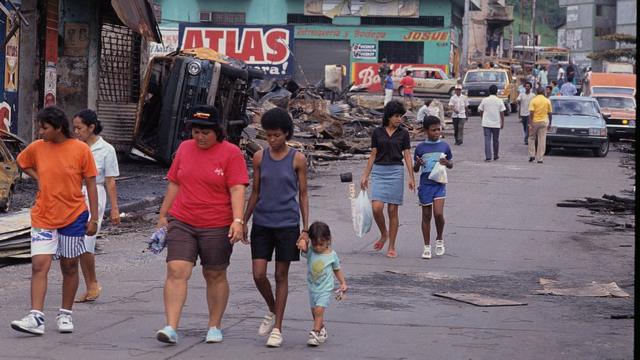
[539, 122]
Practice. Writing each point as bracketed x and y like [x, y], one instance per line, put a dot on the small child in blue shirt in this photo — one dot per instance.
[430, 193]
[322, 265]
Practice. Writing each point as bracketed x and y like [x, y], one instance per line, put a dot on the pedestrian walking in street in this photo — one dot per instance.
[390, 145]
[568, 88]
[407, 84]
[87, 128]
[202, 212]
[548, 90]
[388, 87]
[322, 265]
[59, 217]
[561, 76]
[279, 175]
[492, 111]
[586, 82]
[543, 78]
[431, 194]
[539, 122]
[555, 90]
[460, 107]
[436, 109]
[383, 70]
[523, 101]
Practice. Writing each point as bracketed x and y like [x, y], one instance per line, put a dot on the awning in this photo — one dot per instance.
[138, 16]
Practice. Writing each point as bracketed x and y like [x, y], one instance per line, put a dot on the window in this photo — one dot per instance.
[411, 52]
[428, 21]
[598, 10]
[307, 19]
[222, 18]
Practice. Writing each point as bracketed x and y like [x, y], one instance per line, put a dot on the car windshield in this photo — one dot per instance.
[616, 102]
[612, 90]
[574, 107]
[486, 76]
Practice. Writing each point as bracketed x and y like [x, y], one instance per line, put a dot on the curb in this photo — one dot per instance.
[138, 204]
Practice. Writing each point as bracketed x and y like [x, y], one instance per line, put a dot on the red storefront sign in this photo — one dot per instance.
[366, 74]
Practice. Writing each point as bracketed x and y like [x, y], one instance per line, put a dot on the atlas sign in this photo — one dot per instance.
[264, 47]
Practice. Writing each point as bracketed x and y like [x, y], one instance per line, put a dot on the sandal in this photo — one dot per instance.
[89, 296]
[392, 254]
[378, 245]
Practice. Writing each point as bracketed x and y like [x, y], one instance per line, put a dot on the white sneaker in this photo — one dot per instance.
[426, 254]
[275, 338]
[267, 324]
[65, 323]
[33, 323]
[439, 247]
[314, 339]
[323, 335]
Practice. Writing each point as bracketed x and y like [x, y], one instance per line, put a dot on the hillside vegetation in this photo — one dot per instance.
[549, 16]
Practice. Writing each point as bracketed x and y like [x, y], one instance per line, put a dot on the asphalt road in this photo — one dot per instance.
[503, 233]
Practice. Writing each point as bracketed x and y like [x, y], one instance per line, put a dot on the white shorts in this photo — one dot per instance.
[65, 242]
[388, 95]
[90, 241]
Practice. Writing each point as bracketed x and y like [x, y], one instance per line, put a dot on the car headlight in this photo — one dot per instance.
[552, 129]
[194, 68]
[598, 131]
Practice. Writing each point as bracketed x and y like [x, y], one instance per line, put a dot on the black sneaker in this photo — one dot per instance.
[539, 161]
[531, 159]
[495, 158]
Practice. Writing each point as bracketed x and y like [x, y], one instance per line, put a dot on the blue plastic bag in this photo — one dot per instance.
[157, 242]
[362, 214]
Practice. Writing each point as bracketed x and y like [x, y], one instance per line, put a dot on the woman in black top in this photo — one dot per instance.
[390, 144]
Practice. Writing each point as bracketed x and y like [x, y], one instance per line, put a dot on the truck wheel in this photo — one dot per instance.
[602, 150]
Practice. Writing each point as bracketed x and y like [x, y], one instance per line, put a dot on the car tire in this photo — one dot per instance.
[547, 150]
[602, 150]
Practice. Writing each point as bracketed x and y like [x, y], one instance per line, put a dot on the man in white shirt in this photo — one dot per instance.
[560, 75]
[492, 111]
[523, 101]
[459, 105]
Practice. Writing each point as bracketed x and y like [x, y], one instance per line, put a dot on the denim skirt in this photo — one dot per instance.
[387, 183]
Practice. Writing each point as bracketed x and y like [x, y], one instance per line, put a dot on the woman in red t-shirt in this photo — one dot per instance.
[203, 211]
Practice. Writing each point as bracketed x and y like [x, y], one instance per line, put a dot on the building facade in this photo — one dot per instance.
[586, 20]
[329, 32]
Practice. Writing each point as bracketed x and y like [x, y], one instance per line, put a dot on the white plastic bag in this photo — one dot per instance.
[439, 172]
[362, 214]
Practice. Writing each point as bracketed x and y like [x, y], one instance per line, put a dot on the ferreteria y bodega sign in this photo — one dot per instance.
[264, 47]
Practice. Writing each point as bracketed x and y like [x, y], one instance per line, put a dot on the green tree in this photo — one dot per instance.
[619, 53]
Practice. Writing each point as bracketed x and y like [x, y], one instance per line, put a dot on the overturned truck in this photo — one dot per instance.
[173, 84]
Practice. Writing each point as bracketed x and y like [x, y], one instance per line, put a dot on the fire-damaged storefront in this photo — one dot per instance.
[90, 55]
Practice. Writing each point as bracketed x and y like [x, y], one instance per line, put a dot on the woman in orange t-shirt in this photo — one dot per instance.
[59, 217]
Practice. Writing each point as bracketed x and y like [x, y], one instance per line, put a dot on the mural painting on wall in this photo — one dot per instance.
[333, 8]
[11, 59]
[5, 116]
[76, 39]
[50, 78]
[263, 47]
[366, 74]
[169, 43]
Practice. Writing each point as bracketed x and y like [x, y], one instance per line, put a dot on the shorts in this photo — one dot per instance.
[320, 299]
[90, 241]
[427, 193]
[265, 239]
[186, 242]
[67, 242]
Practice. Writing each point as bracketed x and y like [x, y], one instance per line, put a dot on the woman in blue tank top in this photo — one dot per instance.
[279, 175]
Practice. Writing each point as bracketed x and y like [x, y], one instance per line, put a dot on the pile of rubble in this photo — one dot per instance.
[325, 130]
[15, 236]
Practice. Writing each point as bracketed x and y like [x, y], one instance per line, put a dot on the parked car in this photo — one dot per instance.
[476, 85]
[619, 112]
[173, 84]
[429, 81]
[577, 123]
[10, 146]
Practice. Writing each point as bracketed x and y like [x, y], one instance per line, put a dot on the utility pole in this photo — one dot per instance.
[533, 22]
[465, 38]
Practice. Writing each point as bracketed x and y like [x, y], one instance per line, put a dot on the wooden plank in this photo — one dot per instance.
[478, 299]
[10, 235]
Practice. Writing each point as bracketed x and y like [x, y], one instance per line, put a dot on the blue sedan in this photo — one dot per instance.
[577, 123]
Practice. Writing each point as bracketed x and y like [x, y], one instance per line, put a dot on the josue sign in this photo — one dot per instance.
[264, 47]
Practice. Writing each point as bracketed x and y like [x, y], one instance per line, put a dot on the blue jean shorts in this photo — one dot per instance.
[429, 192]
